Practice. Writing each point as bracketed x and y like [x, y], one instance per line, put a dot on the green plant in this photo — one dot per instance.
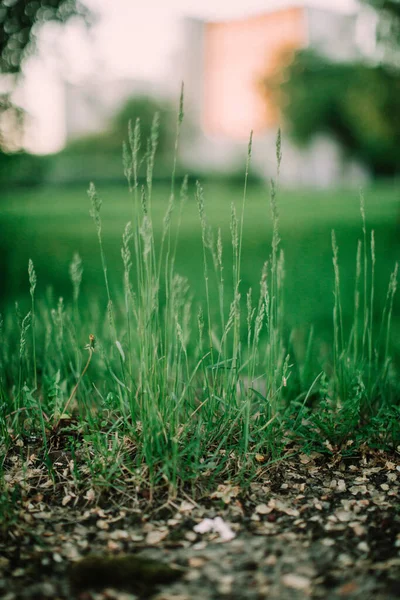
[355, 103]
[188, 389]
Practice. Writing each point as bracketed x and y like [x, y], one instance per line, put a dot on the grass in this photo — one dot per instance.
[193, 372]
[50, 225]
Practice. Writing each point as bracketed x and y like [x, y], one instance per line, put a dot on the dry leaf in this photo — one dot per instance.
[90, 495]
[155, 537]
[304, 459]
[263, 509]
[186, 507]
[226, 492]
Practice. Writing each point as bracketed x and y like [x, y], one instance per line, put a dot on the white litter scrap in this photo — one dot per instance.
[216, 525]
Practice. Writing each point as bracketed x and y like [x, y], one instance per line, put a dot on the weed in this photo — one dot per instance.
[183, 388]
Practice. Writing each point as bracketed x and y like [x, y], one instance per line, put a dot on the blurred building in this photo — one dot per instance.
[224, 67]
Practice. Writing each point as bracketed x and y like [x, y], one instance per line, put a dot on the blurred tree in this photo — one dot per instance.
[100, 154]
[358, 104]
[142, 107]
[389, 20]
[20, 21]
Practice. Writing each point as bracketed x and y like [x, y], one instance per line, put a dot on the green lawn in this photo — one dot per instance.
[49, 225]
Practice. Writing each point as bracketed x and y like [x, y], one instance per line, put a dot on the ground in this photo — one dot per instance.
[310, 526]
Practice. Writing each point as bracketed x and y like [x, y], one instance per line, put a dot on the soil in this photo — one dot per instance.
[310, 526]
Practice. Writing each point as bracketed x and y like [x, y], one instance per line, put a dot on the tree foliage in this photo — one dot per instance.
[389, 22]
[358, 104]
[98, 155]
[110, 140]
[20, 21]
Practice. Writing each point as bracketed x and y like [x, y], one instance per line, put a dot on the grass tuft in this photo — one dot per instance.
[185, 389]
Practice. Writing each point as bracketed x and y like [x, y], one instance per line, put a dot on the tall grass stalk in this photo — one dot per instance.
[362, 363]
[338, 324]
[32, 283]
[365, 272]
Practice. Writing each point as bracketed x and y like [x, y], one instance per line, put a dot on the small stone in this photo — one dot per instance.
[344, 516]
[196, 562]
[155, 537]
[192, 575]
[363, 547]
[18, 572]
[225, 585]
[263, 509]
[345, 560]
[119, 534]
[57, 557]
[296, 582]
[358, 489]
[328, 542]
[113, 546]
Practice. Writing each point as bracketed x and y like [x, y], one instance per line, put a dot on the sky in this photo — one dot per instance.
[130, 39]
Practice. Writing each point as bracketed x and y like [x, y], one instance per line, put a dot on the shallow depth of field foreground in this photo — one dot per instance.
[177, 426]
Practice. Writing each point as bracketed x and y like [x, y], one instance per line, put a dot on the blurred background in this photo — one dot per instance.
[328, 74]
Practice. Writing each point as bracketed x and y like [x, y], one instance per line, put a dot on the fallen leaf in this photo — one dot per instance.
[226, 492]
[90, 495]
[155, 537]
[186, 507]
[304, 459]
[263, 509]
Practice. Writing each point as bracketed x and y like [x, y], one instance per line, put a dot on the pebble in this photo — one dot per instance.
[296, 582]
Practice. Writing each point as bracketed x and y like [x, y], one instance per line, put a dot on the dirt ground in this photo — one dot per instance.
[309, 527]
